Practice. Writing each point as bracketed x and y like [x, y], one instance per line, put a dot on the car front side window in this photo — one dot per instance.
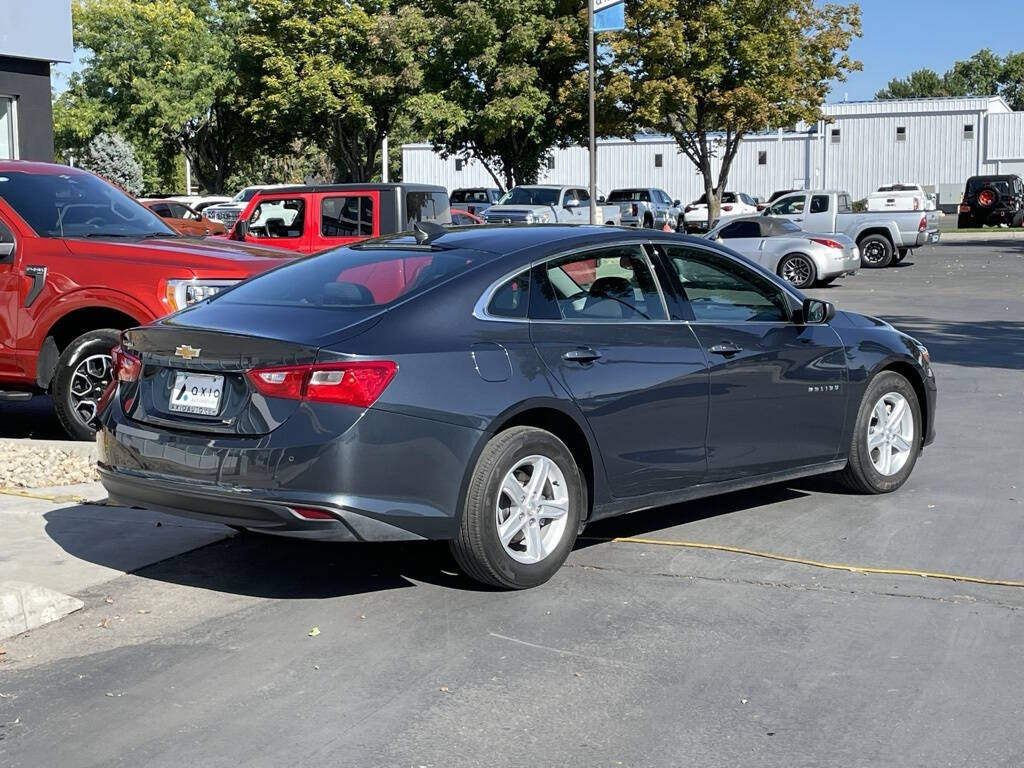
[788, 206]
[278, 218]
[605, 285]
[720, 290]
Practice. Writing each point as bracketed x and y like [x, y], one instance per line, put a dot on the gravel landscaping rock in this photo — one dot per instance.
[29, 464]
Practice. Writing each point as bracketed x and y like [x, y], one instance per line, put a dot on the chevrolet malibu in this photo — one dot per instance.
[499, 388]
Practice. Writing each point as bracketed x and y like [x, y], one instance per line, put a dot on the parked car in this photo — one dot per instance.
[228, 213]
[311, 218]
[648, 207]
[183, 219]
[762, 204]
[780, 246]
[500, 387]
[548, 204]
[80, 261]
[475, 200]
[992, 201]
[462, 218]
[733, 204]
[884, 238]
[201, 202]
[900, 197]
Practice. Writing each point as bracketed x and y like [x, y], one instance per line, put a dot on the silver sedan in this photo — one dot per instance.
[802, 258]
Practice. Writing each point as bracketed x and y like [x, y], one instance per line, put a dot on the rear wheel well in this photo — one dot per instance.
[907, 371]
[877, 231]
[69, 328]
[565, 429]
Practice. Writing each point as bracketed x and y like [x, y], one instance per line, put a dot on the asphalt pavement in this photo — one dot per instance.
[258, 651]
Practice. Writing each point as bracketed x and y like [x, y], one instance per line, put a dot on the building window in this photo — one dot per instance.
[551, 162]
[762, 158]
[659, 160]
[8, 145]
[459, 163]
[969, 131]
[901, 133]
[835, 135]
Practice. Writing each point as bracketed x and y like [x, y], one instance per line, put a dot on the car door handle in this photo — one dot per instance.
[726, 348]
[581, 355]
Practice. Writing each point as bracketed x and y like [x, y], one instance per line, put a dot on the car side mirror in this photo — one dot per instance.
[570, 204]
[6, 251]
[676, 203]
[601, 199]
[240, 230]
[816, 312]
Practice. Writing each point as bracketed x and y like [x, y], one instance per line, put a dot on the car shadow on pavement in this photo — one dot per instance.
[976, 343]
[257, 565]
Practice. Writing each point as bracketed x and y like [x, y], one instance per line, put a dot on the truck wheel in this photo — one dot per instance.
[797, 269]
[965, 221]
[875, 252]
[648, 221]
[1018, 219]
[83, 372]
[680, 224]
[523, 507]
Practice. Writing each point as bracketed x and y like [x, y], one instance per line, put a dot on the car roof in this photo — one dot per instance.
[31, 166]
[306, 188]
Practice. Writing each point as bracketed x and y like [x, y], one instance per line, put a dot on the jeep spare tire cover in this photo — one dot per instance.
[988, 197]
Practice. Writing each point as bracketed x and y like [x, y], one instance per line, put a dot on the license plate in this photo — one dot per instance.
[197, 393]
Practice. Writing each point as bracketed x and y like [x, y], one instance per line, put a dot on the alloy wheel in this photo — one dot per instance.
[874, 252]
[890, 433]
[88, 382]
[797, 271]
[532, 509]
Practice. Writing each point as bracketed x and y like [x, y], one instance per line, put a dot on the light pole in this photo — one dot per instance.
[590, 107]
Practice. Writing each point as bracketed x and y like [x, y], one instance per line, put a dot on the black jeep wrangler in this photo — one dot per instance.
[992, 200]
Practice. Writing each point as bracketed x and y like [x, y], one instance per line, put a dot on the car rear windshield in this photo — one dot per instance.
[530, 196]
[77, 205]
[469, 196]
[1000, 185]
[629, 195]
[727, 197]
[361, 277]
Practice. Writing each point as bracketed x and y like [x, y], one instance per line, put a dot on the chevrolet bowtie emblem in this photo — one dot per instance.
[187, 352]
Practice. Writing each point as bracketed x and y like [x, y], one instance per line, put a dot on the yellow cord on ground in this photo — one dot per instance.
[41, 496]
[815, 563]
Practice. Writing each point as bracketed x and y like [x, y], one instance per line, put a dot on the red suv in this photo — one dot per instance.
[311, 218]
[80, 261]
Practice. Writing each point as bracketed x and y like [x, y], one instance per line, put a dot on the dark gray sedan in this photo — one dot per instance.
[500, 387]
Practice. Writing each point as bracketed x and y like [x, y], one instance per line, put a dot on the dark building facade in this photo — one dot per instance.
[32, 37]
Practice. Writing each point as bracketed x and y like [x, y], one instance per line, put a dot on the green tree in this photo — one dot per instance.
[111, 156]
[707, 72]
[496, 71]
[920, 84]
[164, 72]
[1011, 81]
[336, 72]
[976, 76]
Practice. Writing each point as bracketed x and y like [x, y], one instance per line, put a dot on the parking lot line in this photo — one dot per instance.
[805, 561]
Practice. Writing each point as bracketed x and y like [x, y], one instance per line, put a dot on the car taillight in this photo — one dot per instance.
[827, 243]
[357, 383]
[634, 209]
[917, 204]
[127, 367]
[965, 208]
[923, 225]
[726, 207]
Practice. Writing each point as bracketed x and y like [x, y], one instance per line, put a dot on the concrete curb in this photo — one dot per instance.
[75, 447]
[25, 606]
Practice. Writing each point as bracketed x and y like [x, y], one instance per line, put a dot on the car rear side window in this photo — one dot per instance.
[278, 218]
[605, 285]
[349, 278]
[426, 206]
[819, 203]
[350, 216]
[740, 229]
[511, 299]
[720, 290]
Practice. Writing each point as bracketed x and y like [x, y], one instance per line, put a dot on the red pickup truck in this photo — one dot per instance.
[311, 218]
[80, 261]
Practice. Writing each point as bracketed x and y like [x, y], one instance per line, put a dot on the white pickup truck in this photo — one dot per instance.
[901, 197]
[884, 237]
[548, 204]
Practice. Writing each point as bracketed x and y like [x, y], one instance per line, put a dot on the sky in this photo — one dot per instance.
[899, 37]
[903, 35]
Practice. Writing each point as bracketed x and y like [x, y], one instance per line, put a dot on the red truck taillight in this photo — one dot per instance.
[634, 209]
[127, 367]
[358, 384]
[923, 225]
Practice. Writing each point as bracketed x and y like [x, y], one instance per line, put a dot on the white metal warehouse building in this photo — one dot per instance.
[937, 143]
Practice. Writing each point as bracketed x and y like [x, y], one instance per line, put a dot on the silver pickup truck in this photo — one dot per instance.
[648, 207]
[884, 237]
[548, 204]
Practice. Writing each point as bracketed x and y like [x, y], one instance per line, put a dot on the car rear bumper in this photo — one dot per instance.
[847, 264]
[387, 477]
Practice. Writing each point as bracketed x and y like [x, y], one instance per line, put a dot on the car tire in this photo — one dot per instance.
[1018, 219]
[798, 270]
[866, 469]
[648, 221]
[965, 221]
[987, 198]
[875, 252]
[681, 224]
[535, 547]
[83, 372]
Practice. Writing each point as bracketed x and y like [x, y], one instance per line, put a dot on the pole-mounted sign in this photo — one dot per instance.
[602, 16]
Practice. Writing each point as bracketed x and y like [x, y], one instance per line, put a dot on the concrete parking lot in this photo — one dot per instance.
[264, 652]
